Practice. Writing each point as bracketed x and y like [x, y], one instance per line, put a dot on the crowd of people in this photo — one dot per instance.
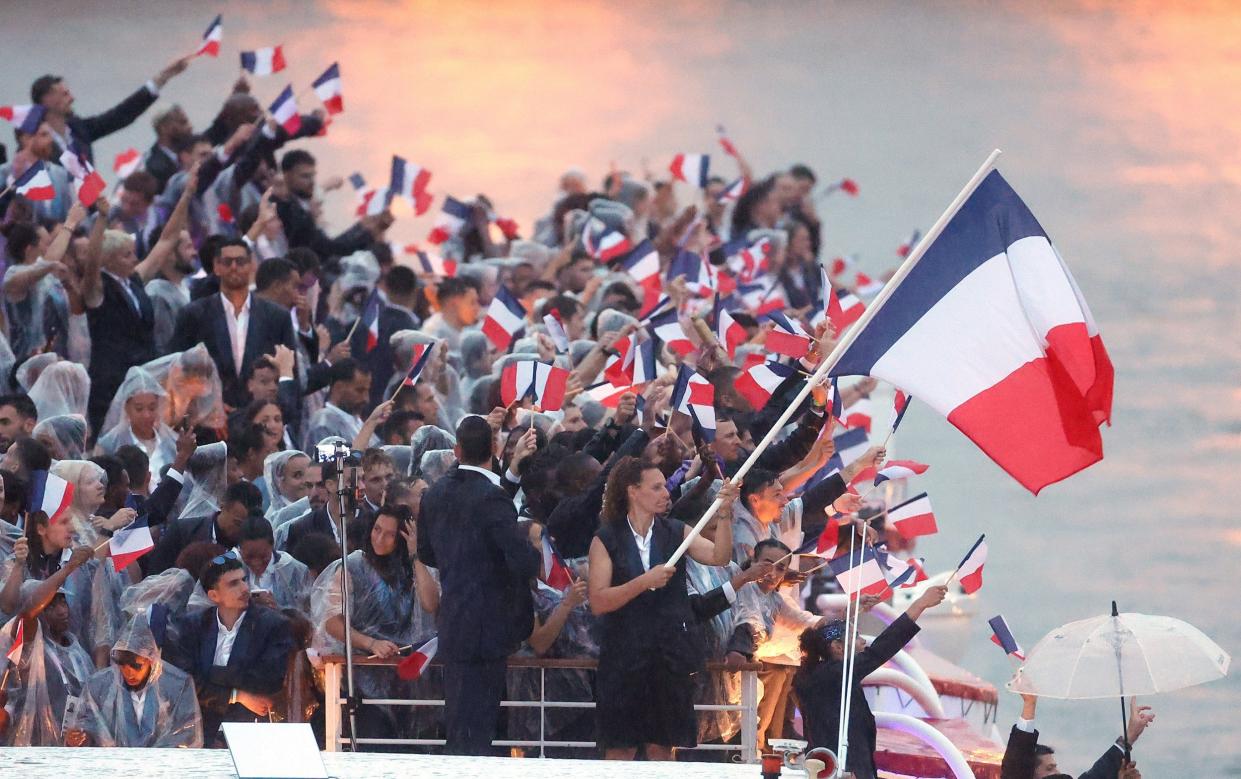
[186, 352]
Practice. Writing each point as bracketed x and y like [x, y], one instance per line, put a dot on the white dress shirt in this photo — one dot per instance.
[224, 639]
[238, 326]
[491, 475]
[644, 544]
[138, 698]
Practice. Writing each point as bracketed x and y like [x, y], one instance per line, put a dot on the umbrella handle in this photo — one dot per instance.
[1124, 716]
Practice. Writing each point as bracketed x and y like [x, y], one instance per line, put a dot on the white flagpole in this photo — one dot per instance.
[844, 343]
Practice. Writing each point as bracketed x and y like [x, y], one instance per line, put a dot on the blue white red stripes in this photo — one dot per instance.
[1003, 637]
[263, 62]
[555, 329]
[969, 572]
[449, 221]
[542, 383]
[211, 39]
[729, 331]
[786, 336]
[990, 330]
[15, 114]
[412, 666]
[693, 395]
[914, 517]
[843, 308]
[89, 183]
[899, 469]
[284, 110]
[691, 168]
[49, 493]
[130, 543]
[733, 191]
[370, 320]
[604, 242]
[859, 574]
[419, 359]
[757, 384]
[328, 90]
[431, 264]
[666, 326]
[35, 183]
[506, 317]
[16, 630]
[408, 180]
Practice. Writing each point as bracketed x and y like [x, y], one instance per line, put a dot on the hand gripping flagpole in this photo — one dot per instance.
[843, 344]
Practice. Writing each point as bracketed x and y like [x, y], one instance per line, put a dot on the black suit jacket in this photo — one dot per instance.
[576, 518]
[88, 129]
[300, 230]
[318, 521]
[378, 361]
[468, 529]
[204, 321]
[257, 663]
[120, 339]
[177, 535]
[1020, 761]
[159, 165]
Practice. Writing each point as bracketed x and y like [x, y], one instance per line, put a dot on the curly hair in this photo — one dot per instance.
[625, 474]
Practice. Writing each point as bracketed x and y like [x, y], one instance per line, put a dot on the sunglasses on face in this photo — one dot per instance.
[233, 261]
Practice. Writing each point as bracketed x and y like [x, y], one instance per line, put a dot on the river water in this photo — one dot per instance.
[1121, 126]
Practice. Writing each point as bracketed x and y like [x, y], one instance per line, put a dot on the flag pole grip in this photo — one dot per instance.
[843, 344]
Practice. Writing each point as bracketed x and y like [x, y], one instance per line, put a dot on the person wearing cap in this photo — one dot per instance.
[819, 680]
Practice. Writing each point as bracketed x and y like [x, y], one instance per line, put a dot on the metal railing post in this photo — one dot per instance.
[542, 712]
[331, 712]
[749, 716]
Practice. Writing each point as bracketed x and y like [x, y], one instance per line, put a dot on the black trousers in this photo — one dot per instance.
[472, 695]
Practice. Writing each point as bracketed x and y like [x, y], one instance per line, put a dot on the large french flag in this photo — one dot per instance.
[691, 168]
[757, 384]
[990, 329]
[130, 543]
[969, 572]
[505, 319]
[263, 62]
[49, 493]
[35, 183]
[284, 111]
[914, 517]
[327, 89]
[411, 667]
[544, 383]
[859, 574]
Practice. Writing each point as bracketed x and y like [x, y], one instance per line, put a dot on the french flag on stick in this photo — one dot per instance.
[421, 356]
[263, 62]
[506, 318]
[725, 143]
[759, 382]
[990, 329]
[694, 395]
[16, 630]
[636, 362]
[555, 329]
[733, 192]
[914, 517]
[787, 337]
[370, 320]
[211, 39]
[969, 572]
[607, 393]
[825, 545]
[431, 264]
[642, 263]
[35, 183]
[15, 114]
[603, 242]
[899, 407]
[691, 168]
[327, 89]
[543, 383]
[412, 666]
[846, 185]
[451, 218]
[90, 184]
[899, 469]
[729, 331]
[1002, 637]
[555, 573]
[49, 493]
[284, 111]
[408, 180]
[843, 308]
[666, 326]
[130, 543]
[858, 415]
[860, 576]
[126, 162]
[374, 201]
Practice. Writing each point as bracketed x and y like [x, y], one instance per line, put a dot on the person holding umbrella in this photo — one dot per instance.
[1025, 758]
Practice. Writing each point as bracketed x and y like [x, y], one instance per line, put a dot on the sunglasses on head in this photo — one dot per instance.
[224, 558]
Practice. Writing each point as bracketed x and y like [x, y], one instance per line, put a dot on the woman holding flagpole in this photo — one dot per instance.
[647, 652]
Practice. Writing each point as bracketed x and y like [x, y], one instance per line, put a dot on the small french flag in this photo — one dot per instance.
[603, 242]
[370, 320]
[899, 469]
[733, 192]
[759, 382]
[900, 405]
[411, 667]
[431, 264]
[15, 114]
[284, 111]
[787, 337]
[634, 364]
[914, 517]
[846, 185]
[858, 414]
[666, 326]
[642, 263]
[969, 572]
[691, 168]
[451, 218]
[130, 543]
[725, 143]
[843, 309]
[1002, 637]
[555, 329]
[126, 162]
[506, 318]
[374, 201]
[863, 577]
[90, 184]
[211, 39]
[358, 182]
[35, 183]
[421, 356]
[607, 393]
[263, 62]
[327, 89]
[16, 629]
[904, 249]
[555, 573]
[694, 395]
[825, 545]
[865, 285]
[543, 383]
[728, 330]
[408, 180]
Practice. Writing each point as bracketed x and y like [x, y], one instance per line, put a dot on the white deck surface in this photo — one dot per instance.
[195, 763]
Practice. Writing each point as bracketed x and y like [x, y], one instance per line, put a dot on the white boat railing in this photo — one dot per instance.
[333, 673]
[929, 736]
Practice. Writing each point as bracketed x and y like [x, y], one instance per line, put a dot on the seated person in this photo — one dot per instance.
[137, 701]
[237, 651]
[223, 527]
[267, 570]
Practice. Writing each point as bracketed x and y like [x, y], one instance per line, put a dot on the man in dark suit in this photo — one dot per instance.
[324, 519]
[53, 94]
[236, 327]
[120, 317]
[300, 228]
[223, 527]
[237, 652]
[468, 530]
[1025, 758]
[173, 134]
[379, 361]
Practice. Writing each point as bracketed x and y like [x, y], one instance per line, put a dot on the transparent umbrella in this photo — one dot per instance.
[1119, 655]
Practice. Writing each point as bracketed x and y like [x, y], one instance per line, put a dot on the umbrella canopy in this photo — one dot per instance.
[1118, 656]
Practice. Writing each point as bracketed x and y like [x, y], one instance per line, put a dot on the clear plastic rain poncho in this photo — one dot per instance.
[401, 457]
[295, 510]
[92, 593]
[435, 465]
[206, 479]
[89, 482]
[62, 388]
[331, 421]
[426, 439]
[381, 609]
[288, 580]
[167, 299]
[273, 474]
[49, 675]
[7, 362]
[716, 687]
[193, 386]
[171, 589]
[450, 402]
[28, 372]
[118, 432]
[63, 435]
[169, 715]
